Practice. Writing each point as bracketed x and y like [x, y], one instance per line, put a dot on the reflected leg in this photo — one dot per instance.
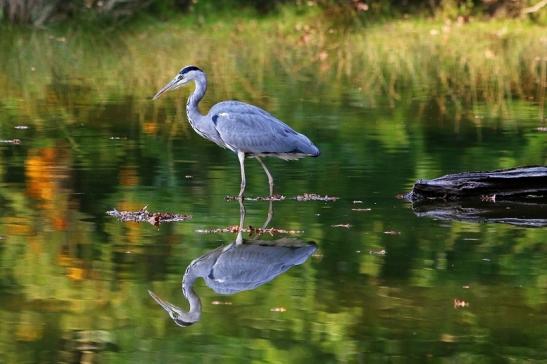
[270, 215]
[239, 238]
[241, 157]
[270, 178]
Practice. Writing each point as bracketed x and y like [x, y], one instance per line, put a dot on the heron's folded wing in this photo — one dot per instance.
[252, 130]
[245, 267]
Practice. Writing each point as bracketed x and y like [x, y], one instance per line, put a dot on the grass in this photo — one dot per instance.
[459, 64]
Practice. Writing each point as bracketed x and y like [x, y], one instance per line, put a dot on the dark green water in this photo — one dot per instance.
[74, 281]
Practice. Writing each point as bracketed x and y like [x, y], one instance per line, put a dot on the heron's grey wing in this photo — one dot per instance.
[245, 267]
[249, 129]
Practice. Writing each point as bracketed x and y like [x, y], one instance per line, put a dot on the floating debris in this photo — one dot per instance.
[392, 232]
[188, 176]
[11, 141]
[367, 209]
[259, 231]
[230, 229]
[347, 226]
[234, 229]
[315, 197]
[143, 215]
[460, 303]
[304, 197]
[542, 128]
[278, 309]
[357, 201]
[257, 198]
[381, 252]
[21, 127]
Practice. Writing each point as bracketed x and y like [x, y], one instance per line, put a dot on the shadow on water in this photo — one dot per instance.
[242, 265]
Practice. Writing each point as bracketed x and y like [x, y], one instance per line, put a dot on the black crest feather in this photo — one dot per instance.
[188, 69]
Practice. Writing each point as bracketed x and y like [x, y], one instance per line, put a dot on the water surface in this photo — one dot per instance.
[381, 286]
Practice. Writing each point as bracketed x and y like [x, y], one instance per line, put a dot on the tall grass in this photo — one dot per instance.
[461, 64]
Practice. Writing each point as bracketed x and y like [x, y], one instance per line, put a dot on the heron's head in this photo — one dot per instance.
[181, 318]
[185, 75]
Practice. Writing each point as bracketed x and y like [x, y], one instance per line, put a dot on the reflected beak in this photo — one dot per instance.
[169, 86]
[166, 305]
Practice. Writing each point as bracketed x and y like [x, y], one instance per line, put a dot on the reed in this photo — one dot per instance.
[461, 64]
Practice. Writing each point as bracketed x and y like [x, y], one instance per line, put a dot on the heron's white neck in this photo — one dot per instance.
[194, 314]
[192, 110]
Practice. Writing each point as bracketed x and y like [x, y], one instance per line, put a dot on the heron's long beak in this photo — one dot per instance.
[167, 87]
[166, 305]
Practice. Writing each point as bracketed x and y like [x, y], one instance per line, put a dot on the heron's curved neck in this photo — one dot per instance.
[192, 109]
[194, 314]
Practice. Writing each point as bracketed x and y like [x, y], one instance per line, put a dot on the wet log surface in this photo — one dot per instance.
[526, 184]
[516, 196]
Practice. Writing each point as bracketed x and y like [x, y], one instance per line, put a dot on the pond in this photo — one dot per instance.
[359, 279]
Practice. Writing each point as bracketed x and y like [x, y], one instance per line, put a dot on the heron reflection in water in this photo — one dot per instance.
[242, 265]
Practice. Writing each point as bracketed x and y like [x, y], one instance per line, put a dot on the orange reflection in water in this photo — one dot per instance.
[150, 127]
[128, 176]
[47, 171]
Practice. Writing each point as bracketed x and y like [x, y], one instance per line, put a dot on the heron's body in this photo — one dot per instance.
[253, 131]
[246, 130]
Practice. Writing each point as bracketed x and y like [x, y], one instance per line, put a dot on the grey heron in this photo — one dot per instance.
[242, 265]
[245, 129]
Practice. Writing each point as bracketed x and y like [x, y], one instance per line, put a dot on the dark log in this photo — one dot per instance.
[524, 184]
[516, 196]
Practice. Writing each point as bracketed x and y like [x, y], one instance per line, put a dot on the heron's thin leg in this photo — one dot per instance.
[270, 215]
[241, 156]
[239, 238]
[270, 178]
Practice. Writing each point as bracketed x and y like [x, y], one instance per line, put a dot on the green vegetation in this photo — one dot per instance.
[40, 12]
[463, 64]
